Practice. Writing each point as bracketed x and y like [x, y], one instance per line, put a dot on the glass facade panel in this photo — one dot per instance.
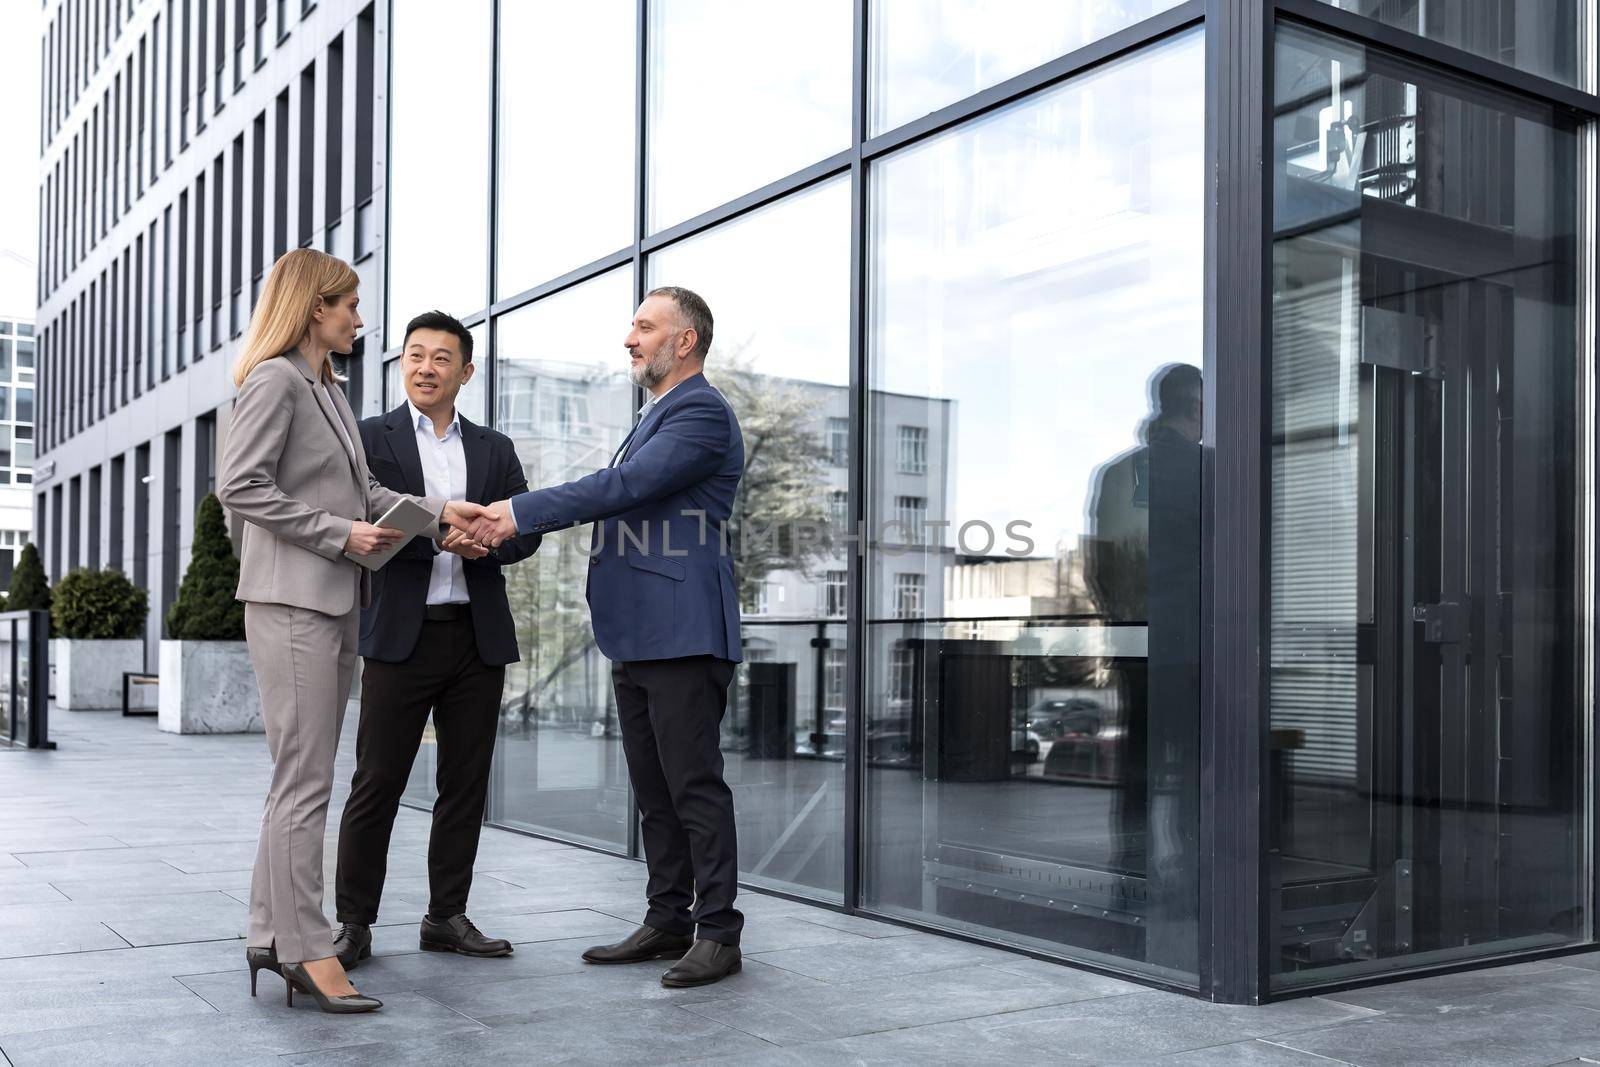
[1543, 37]
[730, 109]
[784, 365]
[556, 216]
[1033, 665]
[565, 402]
[1427, 708]
[438, 173]
[929, 54]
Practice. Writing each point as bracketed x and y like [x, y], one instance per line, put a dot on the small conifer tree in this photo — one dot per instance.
[206, 609]
[29, 590]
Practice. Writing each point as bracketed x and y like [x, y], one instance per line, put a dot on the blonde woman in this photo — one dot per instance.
[295, 471]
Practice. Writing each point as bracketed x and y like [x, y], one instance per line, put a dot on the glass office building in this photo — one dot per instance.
[1195, 399]
[1167, 539]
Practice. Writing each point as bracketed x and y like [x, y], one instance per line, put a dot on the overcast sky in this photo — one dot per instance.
[19, 136]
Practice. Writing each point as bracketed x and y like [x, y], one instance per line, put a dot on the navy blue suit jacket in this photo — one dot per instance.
[391, 625]
[661, 580]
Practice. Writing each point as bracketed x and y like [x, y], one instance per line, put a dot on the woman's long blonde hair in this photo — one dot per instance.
[297, 281]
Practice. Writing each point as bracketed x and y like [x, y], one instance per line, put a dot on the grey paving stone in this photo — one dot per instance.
[25, 894]
[69, 936]
[1534, 1034]
[853, 924]
[1255, 1053]
[148, 999]
[623, 987]
[1136, 1027]
[882, 957]
[71, 972]
[827, 1010]
[94, 857]
[27, 845]
[644, 1035]
[271, 1029]
[778, 932]
[160, 881]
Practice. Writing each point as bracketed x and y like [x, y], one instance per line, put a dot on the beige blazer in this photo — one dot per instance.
[299, 484]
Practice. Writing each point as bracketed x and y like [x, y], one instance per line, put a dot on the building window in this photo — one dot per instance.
[838, 442]
[835, 593]
[839, 509]
[758, 600]
[833, 661]
[913, 450]
[908, 596]
[911, 512]
[518, 399]
[565, 407]
[902, 675]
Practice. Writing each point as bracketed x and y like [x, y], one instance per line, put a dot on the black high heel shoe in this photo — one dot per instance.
[261, 959]
[296, 976]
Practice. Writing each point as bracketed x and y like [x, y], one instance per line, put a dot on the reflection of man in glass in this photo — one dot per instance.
[1142, 566]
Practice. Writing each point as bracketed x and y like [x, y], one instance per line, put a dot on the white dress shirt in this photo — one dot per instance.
[444, 475]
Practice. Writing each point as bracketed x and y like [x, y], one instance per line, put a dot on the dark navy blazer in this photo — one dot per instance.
[391, 625]
[661, 580]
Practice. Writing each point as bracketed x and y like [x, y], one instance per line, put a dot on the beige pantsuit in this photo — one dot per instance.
[294, 470]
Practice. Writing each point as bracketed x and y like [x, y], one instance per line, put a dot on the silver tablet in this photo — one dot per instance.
[407, 516]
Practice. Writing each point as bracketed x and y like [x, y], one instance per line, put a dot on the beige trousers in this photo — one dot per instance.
[304, 662]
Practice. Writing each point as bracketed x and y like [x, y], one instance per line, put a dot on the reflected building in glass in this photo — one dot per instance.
[1167, 540]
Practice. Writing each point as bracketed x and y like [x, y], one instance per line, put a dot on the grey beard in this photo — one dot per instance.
[651, 372]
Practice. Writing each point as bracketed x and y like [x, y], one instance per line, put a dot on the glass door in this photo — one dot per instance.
[1428, 710]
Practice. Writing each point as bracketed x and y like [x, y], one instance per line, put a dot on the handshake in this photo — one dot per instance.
[475, 528]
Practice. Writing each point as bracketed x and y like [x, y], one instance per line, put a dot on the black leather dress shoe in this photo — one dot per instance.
[704, 963]
[645, 943]
[457, 934]
[352, 944]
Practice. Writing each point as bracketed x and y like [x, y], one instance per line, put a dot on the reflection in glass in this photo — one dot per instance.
[1541, 37]
[782, 360]
[1427, 745]
[738, 100]
[566, 158]
[438, 241]
[565, 402]
[1033, 584]
[929, 54]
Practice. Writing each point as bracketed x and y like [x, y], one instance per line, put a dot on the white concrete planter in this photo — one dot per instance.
[89, 673]
[208, 687]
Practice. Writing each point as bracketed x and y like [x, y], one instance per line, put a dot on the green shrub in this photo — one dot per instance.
[206, 609]
[29, 590]
[98, 605]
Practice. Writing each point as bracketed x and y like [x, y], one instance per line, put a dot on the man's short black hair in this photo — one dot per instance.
[438, 320]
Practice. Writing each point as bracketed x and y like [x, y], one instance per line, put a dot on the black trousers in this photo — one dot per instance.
[445, 676]
[671, 715]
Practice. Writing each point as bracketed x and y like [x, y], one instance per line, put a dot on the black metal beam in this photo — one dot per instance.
[855, 567]
[1233, 712]
[817, 172]
[1443, 57]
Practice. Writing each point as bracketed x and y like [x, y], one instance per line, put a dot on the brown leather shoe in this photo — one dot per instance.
[704, 963]
[645, 943]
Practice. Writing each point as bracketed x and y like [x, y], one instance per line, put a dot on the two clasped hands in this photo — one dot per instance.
[475, 529]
